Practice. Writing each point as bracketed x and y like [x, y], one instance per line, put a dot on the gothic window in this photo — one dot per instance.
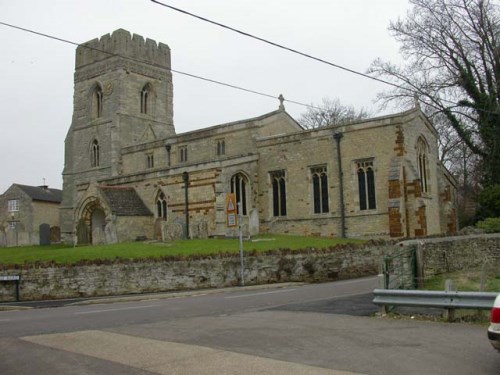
[97, 102]
[366, 185]
[422, 162]
[149, 161]
[13, 205]
[94, 154]
[146, 99]
[279, 193]
[183, 154]
[239, 187]
[161, 206]
[320, 190]
[221, 147]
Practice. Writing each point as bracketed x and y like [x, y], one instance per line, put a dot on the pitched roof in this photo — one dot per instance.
[42, 193]
[124, 201]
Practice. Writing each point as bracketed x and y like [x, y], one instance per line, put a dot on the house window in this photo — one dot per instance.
[12, 224]
[422, 162]
[13, 205]
[145, 99]
[279, 193]
[97, 102]
[239, 186]
[366, 185]
[221, 147]
[150, 161]
[320, 190]
[161, 206]
[94, 154]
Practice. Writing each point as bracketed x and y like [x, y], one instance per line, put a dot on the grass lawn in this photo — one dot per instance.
[468, 280]
[130, 250]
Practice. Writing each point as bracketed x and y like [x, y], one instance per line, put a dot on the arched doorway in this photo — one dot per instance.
[90, 228]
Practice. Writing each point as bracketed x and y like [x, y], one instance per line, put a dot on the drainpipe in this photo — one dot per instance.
[185, 177]
[338, 137]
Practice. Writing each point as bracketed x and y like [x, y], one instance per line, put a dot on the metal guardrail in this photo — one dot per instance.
[440, 299]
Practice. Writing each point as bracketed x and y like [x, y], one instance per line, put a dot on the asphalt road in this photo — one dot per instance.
[281, 329]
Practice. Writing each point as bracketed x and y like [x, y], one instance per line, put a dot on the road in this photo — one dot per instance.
[281, 329]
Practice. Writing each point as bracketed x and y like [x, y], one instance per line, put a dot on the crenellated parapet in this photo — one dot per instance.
[122, 43]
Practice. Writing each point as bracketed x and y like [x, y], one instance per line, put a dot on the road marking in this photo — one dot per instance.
[261, 293]
[4, 320]
[118, 309]
[163, 357]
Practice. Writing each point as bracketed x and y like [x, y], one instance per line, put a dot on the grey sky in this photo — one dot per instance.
[36, 100]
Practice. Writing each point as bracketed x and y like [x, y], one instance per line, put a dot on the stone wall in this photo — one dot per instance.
[450, 254]
[122, 277]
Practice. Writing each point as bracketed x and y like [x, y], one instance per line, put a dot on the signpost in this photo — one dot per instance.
[233, 220]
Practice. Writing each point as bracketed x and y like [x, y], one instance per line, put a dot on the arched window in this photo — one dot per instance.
[161, 206]
[239, 186]
[147, 99]
[320, 190]
[422, 164]
[94, 153]
[97, 102]
[279, 193]
[366, 185]
[221, 147]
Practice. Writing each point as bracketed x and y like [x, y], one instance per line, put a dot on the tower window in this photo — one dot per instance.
[94, 154]
[97, 102]
[239, 186]
[279, 193]
[145, 99]
[366, 185]
[320, 190]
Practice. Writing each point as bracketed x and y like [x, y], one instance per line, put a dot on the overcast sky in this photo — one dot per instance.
[36, 73]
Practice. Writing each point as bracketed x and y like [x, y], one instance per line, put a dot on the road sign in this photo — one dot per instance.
[231, 211]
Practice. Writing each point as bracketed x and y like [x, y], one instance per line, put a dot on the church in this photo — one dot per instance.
[129, 176]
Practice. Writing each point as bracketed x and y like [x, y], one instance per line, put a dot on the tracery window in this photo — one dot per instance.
[239, 187]
[94, 154]
[366, 185]
[279, 193]
[422, 162]
[145, 99]
[161, 206]
[320, 190]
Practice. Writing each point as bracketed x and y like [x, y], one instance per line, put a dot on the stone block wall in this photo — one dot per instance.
[122, 277]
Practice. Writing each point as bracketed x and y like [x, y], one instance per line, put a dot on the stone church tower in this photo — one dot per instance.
[123, 96]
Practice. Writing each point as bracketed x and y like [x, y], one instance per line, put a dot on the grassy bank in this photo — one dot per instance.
[133, 250]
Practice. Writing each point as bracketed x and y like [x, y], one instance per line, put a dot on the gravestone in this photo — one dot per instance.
[44, 230]
[55, 234]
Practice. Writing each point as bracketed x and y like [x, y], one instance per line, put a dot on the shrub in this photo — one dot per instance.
[490, 225]
[489, 202]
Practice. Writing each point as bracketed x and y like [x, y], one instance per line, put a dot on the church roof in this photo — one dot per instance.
[42, 193]
[124, 201]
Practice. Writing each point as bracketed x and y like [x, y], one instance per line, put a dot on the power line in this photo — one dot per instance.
[275, 44]
[172, 70]
[298, 52]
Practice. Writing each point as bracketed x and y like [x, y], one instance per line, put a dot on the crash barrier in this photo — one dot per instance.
[15, 278]
[449, 300]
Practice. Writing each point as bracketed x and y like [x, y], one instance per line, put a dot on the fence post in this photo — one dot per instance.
[449, 286]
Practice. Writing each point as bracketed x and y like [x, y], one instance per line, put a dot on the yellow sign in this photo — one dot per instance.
[231, 210]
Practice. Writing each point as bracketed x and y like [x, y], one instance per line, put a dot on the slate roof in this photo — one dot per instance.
[42, 193]
[124, 201]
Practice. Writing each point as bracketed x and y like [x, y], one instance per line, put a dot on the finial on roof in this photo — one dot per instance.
[417, 102]
[281, 99]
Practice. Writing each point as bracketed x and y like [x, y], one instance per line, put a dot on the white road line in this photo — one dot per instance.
[260, 294]
[111, 310]
[4, 320]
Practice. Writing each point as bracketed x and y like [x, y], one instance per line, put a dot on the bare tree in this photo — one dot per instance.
[330, 112]
[452, 54]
